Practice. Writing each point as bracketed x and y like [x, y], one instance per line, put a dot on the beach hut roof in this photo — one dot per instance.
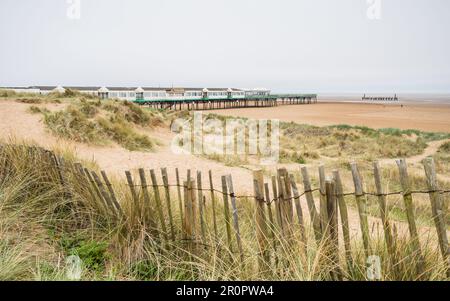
[103, 90]
[205, 90]
[139, 90]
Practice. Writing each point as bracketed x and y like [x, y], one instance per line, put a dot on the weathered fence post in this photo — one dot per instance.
[99, 195]
[271, 220]
[261, 225]
[104, 194]
[362, 208]
[315, 218]
[269, 209]
[111, 192]
[148, 205]
[213, 200]
[437, 210]
[84, 177]
[344, 216]
[226, 208]
[323, 202]
[165, 179]
[235, 217]
[135, 205]
[298, 209]
[158, 204]
[277, 202]
[201, 205]
[180, 200]
[332, 225]
[285, 192]
[189, 212]
[384, 214]
[409, 206]
[60, 167]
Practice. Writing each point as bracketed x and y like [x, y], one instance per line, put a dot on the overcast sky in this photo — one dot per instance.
[287, 45]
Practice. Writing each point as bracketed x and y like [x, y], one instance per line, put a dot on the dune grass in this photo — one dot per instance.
[44, 221]
[101, 122]
[306, 144]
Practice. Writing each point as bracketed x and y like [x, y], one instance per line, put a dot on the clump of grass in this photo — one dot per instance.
[134, 114]
[442, 159]
[38, 110]
[14, 263]
[125, 135]
[7, 93]
[30, 100]
[72, 124]
[97, 122]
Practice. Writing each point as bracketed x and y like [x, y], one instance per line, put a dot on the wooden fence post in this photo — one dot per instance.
[271, 220]
[188, 213]
[285, 191]
[235, 217]
[437, 210]
[362, 208]
[344, 216]
[384, 214]
[165, 179]
[83, 175]
[201, 205]
[104, 194]
[277, 202]
[261, 230]
[269, 208]
[226, 208]
[98, 194]
[158, 204]
[135, 205]
[148, 210]
[284, 213]
[299, 211]
[332, 225]
[213, 200]
[323, 202]
[315, 218]
[180, 200]
[111, 192]
[409, 206]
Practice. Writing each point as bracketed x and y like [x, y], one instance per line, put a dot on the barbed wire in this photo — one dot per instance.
[233, 195]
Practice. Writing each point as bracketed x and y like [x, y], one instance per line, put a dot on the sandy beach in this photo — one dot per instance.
[425, 116]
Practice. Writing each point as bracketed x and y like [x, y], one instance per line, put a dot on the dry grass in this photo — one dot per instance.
[101, 122]
[306, 144]
[59, 224]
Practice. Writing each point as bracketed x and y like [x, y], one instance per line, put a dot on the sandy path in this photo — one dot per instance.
[431, 149]
[423, 116]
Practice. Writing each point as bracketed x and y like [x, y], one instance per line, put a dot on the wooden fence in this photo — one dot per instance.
[278, 210]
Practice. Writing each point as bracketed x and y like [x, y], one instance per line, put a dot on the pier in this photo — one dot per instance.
[229, 102]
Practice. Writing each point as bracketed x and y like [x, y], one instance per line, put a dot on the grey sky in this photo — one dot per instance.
[286, 45]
